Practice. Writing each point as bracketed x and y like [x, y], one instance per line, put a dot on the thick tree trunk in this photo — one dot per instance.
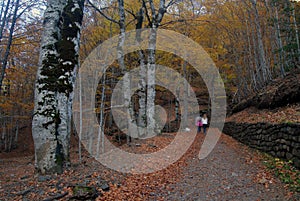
[58, 63]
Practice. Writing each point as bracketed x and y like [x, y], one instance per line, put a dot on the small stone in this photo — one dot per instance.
[234, 174]
[24, 177]
[152, 145]
[84, 193]
[263, 180]
[105, 187]
[42, 178]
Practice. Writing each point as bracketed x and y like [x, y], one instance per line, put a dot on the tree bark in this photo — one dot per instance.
[296, 31]
[58, 63]
[263, 66]
[279, 41]
[151, 66]
[186, 97]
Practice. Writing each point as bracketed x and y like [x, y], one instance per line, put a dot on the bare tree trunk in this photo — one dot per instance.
[10, 38]
[4, 136]
[17, 132]
[142, 74]
[281, 52]
[3, 20]
[151, 66]
[251, 64]
[101, 119]
[288, 34]
[142, 117]
[273, 37]
[185, 98]
[296, 31]
[51, 125]
[80, 117]
[142, 91]
[151, 83]
[257, 75]
[263, 66]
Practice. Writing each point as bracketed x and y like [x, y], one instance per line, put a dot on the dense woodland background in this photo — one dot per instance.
[252, 42]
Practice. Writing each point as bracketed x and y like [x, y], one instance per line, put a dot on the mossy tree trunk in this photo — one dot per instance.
[55, 82]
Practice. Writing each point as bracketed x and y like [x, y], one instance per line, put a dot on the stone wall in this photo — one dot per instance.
[279, 140]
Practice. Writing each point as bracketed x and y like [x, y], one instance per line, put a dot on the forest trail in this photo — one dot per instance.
[231, 172]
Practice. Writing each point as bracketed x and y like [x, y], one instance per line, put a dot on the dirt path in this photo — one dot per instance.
[231, 172]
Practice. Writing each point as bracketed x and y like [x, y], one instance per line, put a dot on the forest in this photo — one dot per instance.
[78, 76]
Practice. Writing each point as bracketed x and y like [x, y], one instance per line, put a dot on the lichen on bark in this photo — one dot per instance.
[55, 82]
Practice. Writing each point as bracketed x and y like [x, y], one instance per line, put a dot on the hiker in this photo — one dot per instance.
[198, 123]
[204, 123]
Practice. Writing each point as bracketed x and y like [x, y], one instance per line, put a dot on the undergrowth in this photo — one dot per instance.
[285, 171]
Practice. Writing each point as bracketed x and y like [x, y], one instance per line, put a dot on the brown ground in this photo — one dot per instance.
[231, 172]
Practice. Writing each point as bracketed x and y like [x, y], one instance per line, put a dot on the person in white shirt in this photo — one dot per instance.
[204, 123]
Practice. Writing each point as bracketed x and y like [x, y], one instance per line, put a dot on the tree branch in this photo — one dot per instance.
[147, 14]
[100, 11]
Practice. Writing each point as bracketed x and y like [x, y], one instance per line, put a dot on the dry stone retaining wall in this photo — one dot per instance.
[279, 140]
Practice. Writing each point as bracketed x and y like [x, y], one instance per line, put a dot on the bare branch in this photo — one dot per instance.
[100, 11]
[146, 12]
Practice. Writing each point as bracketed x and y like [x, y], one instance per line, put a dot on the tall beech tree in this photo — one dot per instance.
[55, 82]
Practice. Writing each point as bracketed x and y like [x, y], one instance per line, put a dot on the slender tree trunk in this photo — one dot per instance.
[100, 139]
[80, 117]
[257, 75]
[121, 36]
[142, 91]
[3, 20]
[141, 119]
[151, 66]
[17, 132]
[251, 64]
[55, 83]
[288, 34]
[10, 38]
[263, 66]
[273, 37]
[151, 82]
[126, 79]
[279, 41]
[296, 31]
[142, 73]
[185, 98]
